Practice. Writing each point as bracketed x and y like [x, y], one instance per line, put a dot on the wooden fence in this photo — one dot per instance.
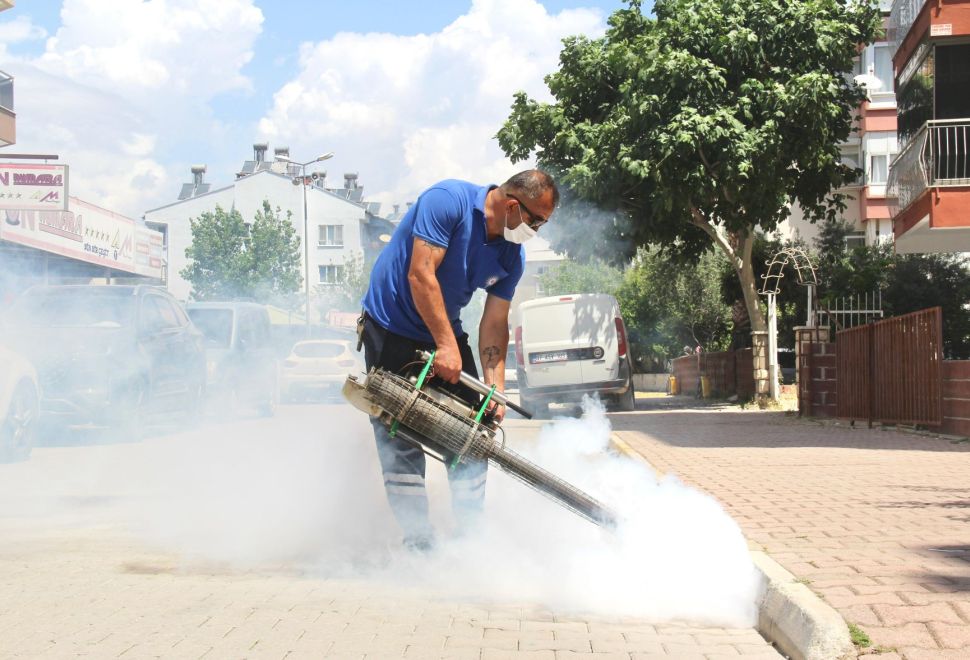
[892, 371]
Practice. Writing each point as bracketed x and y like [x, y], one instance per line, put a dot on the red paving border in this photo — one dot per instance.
[875, 522]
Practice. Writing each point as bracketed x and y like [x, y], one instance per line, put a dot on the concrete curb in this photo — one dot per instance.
[790, 615]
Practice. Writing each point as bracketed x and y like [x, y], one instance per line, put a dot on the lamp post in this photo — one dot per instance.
[305, 181]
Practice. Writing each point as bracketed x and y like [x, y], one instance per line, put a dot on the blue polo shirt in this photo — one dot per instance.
[450, 214]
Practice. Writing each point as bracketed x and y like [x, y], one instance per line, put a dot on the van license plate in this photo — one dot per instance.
[553, 356]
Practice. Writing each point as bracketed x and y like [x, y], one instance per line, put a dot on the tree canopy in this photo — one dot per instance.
[232, 259]
[702, 124]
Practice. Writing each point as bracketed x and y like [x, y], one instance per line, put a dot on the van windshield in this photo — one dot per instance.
[215, 324]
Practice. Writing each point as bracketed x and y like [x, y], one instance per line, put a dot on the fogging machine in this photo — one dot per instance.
[450, 430]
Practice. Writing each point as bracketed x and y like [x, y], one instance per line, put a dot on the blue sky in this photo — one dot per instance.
[130, 93]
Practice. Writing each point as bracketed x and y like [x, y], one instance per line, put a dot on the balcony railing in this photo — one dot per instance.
[901, 19]
[6, 91]
[937, 155]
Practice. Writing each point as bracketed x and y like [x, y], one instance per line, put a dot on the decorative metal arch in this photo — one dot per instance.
[776, 270]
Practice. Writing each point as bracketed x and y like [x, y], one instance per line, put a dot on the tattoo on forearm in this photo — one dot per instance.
[490, 356]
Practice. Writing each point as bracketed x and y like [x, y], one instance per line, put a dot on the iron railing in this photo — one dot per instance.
[850, 311]
[901, 18]
[6, 91]
[891, 371]
[937, 155]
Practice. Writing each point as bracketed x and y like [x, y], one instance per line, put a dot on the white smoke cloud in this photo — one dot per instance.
[303, 492]
[406, 111]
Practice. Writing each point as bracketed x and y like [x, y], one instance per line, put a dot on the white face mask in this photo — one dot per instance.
[520, 234]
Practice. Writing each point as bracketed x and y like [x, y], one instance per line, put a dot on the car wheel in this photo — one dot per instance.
[627, 401]
[17, 431]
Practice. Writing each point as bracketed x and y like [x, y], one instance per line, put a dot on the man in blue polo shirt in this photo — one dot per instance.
[457, 237]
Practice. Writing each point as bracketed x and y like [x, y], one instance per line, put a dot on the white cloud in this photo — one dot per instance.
[16, 31]
[407, 111]
[170, 46]
[122, 85]
[20, 29]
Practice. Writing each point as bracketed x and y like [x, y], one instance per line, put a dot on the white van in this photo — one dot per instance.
[567, 346]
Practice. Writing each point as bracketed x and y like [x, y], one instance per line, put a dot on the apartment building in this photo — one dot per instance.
[340, 224]
[8, 118]
[929, 179]
[871, 149]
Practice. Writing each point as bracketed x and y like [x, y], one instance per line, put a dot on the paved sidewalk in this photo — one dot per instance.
[100, 594]
[876, 522]
[76, 582]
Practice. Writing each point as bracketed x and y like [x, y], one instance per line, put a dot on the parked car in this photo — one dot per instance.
[318, 366]
[240, 357]
[109, 355]
[568, 346]
[19, 406]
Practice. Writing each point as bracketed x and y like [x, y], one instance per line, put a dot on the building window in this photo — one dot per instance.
[331, 236]
[331, 274]
[883, 67]
[855, 240]
[878, 168]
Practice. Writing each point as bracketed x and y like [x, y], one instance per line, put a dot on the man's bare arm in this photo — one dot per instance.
[493, 340]
[426, 292]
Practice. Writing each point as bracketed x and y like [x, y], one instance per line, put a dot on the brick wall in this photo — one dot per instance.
[824, 387]
[956, 397]
[730, 372]
[684, 369]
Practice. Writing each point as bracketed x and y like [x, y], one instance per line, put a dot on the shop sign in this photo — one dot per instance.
[85, 232]
[33, 187]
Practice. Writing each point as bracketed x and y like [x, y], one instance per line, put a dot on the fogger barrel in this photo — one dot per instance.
[446, 427]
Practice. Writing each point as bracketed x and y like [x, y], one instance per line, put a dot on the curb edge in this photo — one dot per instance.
[790, 615]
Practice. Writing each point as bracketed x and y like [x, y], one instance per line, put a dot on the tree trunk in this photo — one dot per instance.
[759, 327]
[738, 247]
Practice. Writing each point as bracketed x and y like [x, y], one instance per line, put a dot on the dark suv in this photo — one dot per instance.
[109, 355]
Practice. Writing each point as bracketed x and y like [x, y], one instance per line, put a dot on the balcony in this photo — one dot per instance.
[8, 118]
[936, 156]
[901, 18]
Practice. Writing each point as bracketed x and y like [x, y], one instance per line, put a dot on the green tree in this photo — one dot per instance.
[217, 267]
[845, 272]
[907, 282]
[273, 260]
[230, 259]
[701, 125]
[670, 305]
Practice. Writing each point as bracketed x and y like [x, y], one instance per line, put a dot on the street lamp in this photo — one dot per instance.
[306, 181]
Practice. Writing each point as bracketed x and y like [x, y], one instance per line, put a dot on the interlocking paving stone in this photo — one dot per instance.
[98, 590]
[873, 521]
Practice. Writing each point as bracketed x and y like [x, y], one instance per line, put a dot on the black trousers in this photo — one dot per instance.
[402, 463]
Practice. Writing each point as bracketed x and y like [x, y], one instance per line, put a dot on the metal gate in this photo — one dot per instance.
[891, 371]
